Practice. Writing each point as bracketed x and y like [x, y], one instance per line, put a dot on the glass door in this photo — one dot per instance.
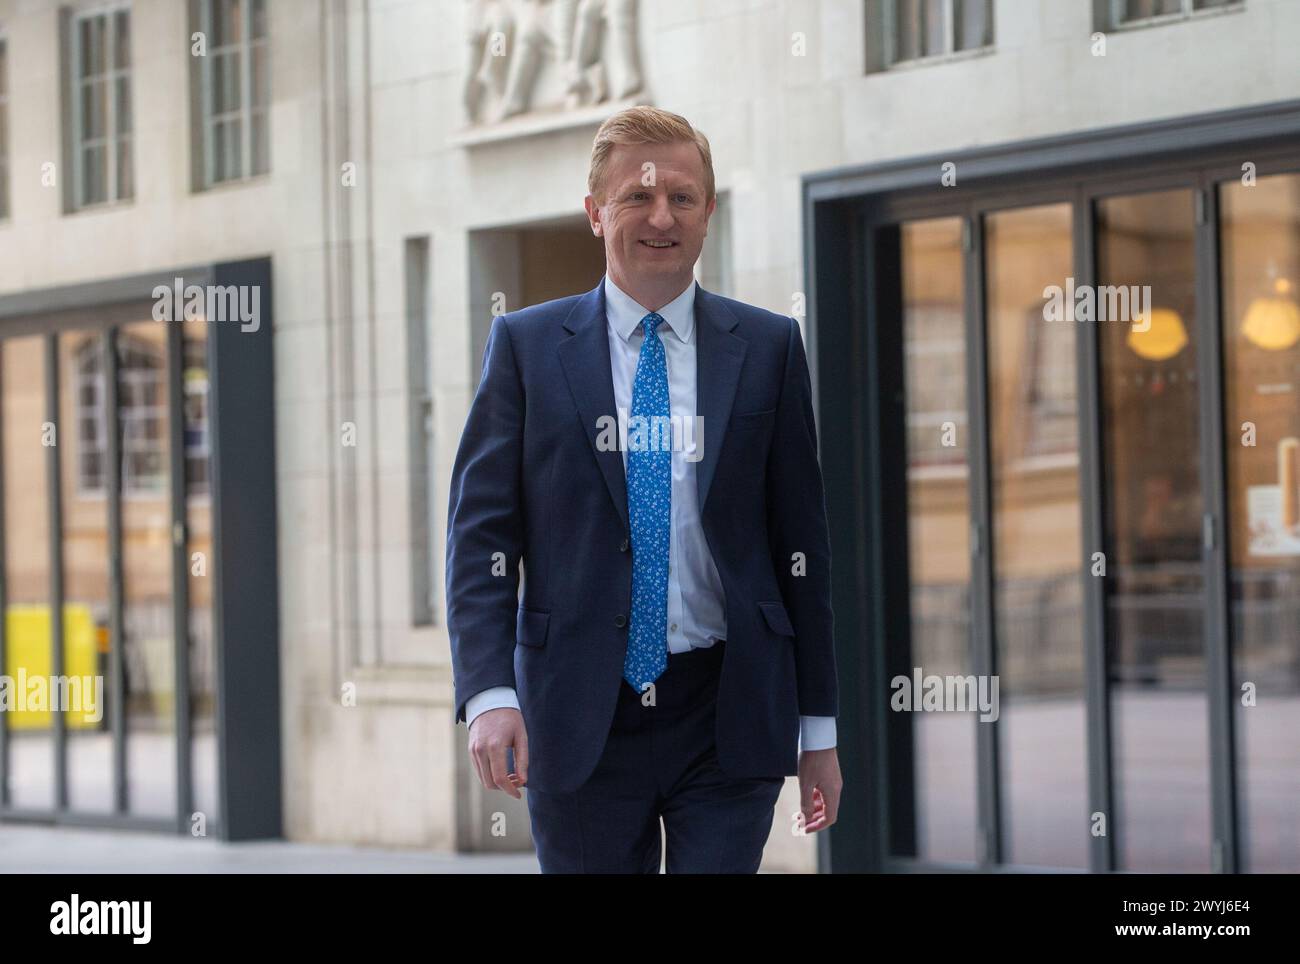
[1153, 510]
[1260, 307]
[121, 543]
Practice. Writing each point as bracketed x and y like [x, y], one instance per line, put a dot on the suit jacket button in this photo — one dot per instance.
[622, 546]
[620, 620]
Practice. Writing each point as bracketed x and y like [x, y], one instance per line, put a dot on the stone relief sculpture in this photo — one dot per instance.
[509, 41]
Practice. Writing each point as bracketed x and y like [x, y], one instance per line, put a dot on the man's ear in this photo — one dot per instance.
[593, 216]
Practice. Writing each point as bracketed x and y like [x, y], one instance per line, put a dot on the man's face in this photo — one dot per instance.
[653, 193]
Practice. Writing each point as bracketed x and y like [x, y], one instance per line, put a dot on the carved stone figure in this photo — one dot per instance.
[508, 42]
[585, 80]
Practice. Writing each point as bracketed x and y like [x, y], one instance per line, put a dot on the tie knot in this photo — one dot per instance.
[650, 322]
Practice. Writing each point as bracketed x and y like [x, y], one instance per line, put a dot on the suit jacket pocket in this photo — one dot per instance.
[746, 420]
[777, 618]
[531, 626]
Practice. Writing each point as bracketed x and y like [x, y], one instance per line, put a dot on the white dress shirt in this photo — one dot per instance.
[696, 617]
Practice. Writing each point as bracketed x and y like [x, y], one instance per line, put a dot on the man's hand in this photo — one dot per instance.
[493, 731]
[819, 788]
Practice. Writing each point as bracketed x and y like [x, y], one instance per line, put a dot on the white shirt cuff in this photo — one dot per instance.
[816, 732]
[492, 698]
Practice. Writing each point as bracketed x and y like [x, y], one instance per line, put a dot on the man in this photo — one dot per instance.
[673, 641]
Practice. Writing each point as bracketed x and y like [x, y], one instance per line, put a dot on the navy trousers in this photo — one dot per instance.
[659, 762]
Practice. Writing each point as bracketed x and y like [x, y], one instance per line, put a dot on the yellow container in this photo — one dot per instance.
[28, 653]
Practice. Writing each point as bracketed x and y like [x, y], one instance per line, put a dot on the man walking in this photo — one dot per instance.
[648, 450]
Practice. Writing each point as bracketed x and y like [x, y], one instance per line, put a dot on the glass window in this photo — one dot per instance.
[917, 29]
[1037, 540]
[1125, 13]
[1153, 510]
[142, 402]
[938, 507]
[29, 647]
[87, 591]
[1260, 268]
[236, 90]
[148, 646]
[56, 430]
[100, 63]
[1126, 522]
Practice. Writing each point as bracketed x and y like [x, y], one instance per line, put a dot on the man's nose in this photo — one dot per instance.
[661, 216]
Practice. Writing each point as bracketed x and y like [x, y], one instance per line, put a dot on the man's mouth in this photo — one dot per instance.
[659, 244]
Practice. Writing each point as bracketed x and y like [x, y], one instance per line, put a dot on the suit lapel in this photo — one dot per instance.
[585, 359]
[719, 355]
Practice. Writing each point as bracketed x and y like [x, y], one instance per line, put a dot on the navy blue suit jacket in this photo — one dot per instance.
[530, 482]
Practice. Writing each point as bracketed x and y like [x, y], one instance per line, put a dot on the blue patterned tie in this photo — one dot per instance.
[649, 492]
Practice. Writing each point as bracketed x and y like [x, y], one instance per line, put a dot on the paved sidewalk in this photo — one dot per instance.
[68, 850]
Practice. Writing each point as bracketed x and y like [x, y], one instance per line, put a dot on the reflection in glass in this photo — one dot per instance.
[938, 528]
[148, 654]
[28, 642]
[84, 425]
[1153, 510]
[1261, 354]
[1037, 540]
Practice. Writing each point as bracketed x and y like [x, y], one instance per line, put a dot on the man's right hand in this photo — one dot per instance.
[492, 732]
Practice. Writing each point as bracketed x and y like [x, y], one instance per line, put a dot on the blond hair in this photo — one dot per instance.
[645, 125]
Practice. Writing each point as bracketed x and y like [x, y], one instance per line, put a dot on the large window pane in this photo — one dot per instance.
[1261, 346]
[148, 652]
[86, 554]
[1153, 510]
[938, 529]
[1037, 540]
[29, 649]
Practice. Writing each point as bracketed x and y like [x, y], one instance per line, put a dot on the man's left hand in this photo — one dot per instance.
[819, 788]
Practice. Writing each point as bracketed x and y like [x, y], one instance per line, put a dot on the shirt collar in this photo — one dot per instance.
[625, 314]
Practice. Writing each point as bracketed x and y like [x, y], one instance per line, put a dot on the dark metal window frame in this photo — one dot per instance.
[848, 214]
[244, 565]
